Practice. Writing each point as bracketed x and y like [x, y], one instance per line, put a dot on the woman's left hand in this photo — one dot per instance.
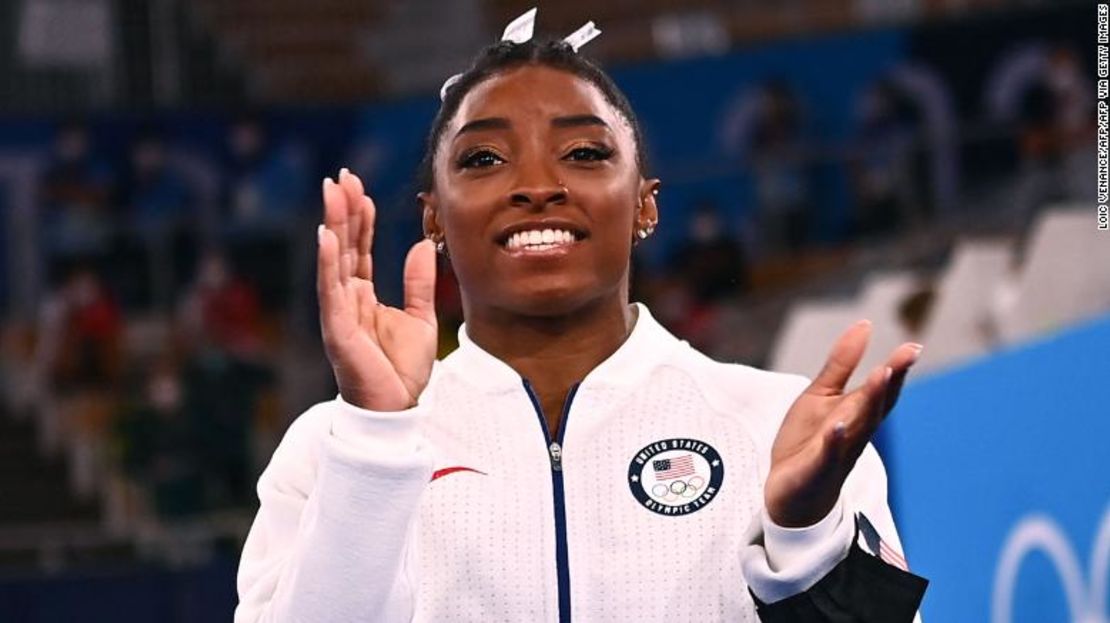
[827, 429]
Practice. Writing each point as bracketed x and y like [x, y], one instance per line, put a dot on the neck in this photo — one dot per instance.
[541, 348]
[553, 352]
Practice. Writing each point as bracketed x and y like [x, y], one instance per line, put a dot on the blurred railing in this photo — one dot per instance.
[52, 548]
[172, 53]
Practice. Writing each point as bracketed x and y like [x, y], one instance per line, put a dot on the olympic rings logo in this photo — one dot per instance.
[1087, 604]
[678, 489]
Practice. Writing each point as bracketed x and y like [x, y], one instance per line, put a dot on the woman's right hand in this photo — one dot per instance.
[382, 356]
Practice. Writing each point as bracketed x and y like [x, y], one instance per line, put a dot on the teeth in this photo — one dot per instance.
[539, 240]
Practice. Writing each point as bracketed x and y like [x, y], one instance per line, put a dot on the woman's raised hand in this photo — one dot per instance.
[827, 428]
[382, 356]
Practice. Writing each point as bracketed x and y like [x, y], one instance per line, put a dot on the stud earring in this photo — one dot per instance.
[440, 245]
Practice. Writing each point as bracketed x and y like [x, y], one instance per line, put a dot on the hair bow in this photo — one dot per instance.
[520, 30]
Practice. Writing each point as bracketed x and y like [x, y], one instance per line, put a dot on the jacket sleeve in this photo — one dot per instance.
[819, 573]
[337, 503]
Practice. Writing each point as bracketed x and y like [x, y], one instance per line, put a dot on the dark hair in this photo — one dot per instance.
[556, 54]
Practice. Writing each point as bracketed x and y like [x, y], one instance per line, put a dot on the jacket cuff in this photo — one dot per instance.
[379, 434]
[787, 548]
[780, 562]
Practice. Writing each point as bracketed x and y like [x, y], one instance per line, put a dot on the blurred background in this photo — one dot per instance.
[928, 164]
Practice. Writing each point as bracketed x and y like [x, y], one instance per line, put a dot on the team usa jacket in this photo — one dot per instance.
[648, 506]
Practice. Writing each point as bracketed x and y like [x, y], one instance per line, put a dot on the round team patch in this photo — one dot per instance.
[676, 476]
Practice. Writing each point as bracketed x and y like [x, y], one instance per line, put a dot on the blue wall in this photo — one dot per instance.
[979, 450]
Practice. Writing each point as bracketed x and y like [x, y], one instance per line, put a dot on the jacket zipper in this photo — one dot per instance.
[555, 455]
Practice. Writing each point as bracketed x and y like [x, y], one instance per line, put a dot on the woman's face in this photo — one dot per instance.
[538, 193]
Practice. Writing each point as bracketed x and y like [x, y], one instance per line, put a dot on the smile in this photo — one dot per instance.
[539, 240]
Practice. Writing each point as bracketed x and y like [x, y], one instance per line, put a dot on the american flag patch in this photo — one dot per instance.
[674, 467]
[877, 546]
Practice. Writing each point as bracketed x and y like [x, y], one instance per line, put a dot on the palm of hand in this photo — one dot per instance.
[827, 428]
[380, 337]
[382, 355]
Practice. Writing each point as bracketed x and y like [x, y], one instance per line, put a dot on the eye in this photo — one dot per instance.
[479, 159]
[589, 154]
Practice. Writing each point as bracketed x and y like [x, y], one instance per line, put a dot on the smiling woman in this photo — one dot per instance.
[532, 149]
[572, 459]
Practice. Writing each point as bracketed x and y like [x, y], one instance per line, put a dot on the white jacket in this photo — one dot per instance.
[648, 507]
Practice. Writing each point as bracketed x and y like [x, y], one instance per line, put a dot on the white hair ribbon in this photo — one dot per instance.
[447, 84]
[582, 36]
[520, 30]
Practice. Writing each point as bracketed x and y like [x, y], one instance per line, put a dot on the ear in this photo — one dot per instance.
[647, 214]
[430, 219]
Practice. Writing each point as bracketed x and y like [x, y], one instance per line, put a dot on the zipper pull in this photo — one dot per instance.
[556, 452]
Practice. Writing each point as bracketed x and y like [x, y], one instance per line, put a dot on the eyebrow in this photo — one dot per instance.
[501, 123]
[488, 123]
[578, 120]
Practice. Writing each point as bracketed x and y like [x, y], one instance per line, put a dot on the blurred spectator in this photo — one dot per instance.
[265, 193]
[778, 160]
[1056, 123]
[157, 195]
[86, 318]
[710, 260]
[708, 270]
[221, 310]
[224, 374]
[76, 195]
[222, 395]
[1057, 112]
[80, 349]
[1042, 92]
[267, 184]
[886, 152]
[158, 202]
[161, 447]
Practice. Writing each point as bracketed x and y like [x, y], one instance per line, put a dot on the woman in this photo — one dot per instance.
[572, 459]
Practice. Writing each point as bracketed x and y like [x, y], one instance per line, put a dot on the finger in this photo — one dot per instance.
[365, 267]
[842, 360]
[904, 356]
[900, 361]
[352, 187]
[367, 307]
[329, 290]
[420, 281]
[893, 390]
[859, 414]
[336, 219]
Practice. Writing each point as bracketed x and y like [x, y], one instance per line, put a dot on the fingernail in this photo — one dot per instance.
[887, 374]
[839, 429]
[917, 350]
[863, 323]
[328, 182]
[320, 234]
[344, 172]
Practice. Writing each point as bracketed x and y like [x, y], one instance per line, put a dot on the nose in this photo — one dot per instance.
[538, 191]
